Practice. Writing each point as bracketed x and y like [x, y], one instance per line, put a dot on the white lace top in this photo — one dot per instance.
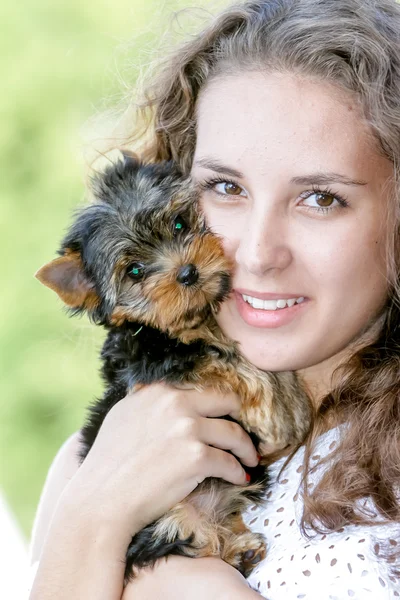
[341, 565]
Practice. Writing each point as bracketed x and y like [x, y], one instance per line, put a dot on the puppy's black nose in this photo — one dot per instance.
[187, 275]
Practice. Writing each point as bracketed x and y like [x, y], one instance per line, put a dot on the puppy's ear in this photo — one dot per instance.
[186, 199]
[129, 156]
[66, 276]
[130, 160]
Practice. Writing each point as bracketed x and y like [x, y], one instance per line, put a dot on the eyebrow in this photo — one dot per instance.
[326, 178]
[218, 167]
[312, 179]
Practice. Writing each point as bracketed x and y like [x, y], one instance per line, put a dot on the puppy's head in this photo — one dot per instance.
[141, 252]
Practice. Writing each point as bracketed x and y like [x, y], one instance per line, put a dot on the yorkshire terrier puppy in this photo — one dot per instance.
[142, 262]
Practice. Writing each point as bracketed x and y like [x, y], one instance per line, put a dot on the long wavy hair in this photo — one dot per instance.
[354, 44]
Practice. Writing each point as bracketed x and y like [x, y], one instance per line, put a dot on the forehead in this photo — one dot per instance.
[274, 123]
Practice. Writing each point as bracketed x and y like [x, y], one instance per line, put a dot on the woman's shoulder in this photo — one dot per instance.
[345, 563]
[61, 471]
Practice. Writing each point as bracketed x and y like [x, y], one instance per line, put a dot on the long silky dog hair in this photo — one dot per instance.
[141, 262]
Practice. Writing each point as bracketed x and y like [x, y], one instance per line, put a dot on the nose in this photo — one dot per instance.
[263, 244]
[187, 275]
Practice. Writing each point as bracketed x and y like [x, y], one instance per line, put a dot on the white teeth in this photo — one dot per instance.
[271, 304]
[257, 303]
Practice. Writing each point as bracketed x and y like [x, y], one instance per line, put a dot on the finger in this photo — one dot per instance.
[218, 463]
[228, 436]
[209, 403]
[206, 403]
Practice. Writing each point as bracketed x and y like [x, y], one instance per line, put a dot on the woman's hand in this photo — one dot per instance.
[154, 447]
[189, 579]
[152, 450]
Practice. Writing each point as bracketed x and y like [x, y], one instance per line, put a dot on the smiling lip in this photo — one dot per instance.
[269, 319]
[265, 296]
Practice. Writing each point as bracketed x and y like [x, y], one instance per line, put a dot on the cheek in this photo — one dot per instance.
[351, 269]
[230, 244]
[224, 223]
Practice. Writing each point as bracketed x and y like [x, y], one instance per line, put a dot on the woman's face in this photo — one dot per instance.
[292, 182]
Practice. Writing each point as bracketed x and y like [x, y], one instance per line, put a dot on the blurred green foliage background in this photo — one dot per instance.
[60, 64]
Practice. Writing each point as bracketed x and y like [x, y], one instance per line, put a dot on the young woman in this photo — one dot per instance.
[287, 114]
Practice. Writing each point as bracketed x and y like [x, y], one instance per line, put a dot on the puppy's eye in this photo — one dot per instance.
[136, 271]
[179, 225]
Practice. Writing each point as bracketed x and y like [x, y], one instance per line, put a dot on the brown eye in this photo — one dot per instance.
[325, 200]
[232, 189]
[223, 187]
[322, 201]
[227, 188]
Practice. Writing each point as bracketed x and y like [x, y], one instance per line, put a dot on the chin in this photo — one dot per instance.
[274, 365]
[263, 359]
[254, 346]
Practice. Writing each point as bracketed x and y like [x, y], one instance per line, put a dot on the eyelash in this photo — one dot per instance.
[209, 184]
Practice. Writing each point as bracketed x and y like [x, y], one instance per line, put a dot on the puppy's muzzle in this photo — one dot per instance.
[187, 275]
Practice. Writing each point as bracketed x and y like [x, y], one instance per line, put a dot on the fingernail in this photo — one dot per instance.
[248, 478]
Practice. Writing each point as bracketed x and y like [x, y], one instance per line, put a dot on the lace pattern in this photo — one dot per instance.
[337, 566]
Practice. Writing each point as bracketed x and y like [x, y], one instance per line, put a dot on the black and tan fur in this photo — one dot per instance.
[161, 327]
